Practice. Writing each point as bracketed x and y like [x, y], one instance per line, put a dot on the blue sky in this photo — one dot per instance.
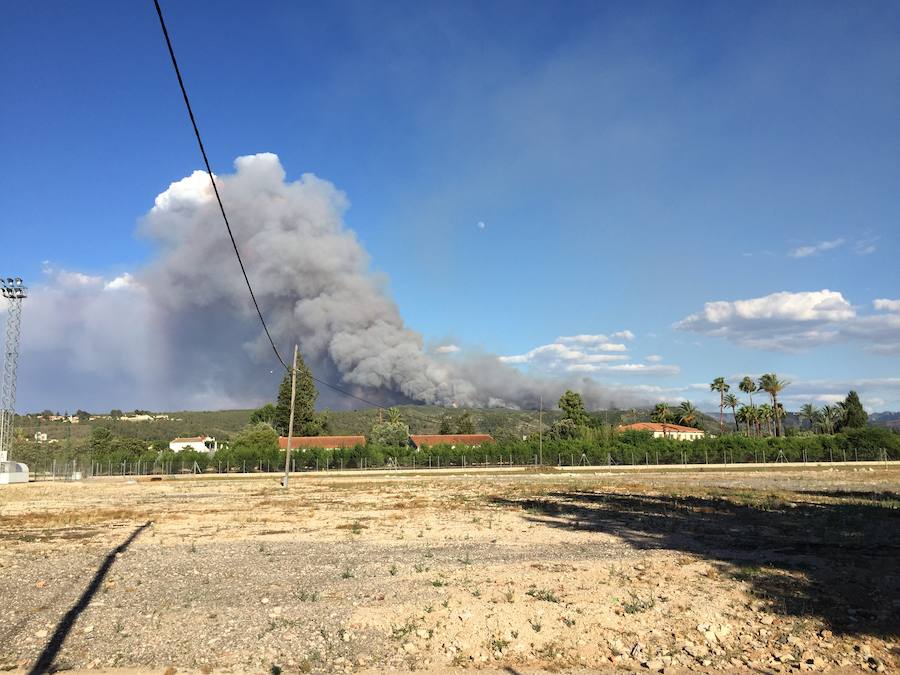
[630, 162]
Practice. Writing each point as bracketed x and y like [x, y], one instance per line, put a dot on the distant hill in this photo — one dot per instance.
[885, 419]
[500, 422]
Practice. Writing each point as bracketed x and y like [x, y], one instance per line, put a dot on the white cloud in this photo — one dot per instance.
[588, 353]
[76, 279]
[865, 246]
[481, 225]
[446, 349]
[653, 358]
[644, 369]
[122, 281]
[599, 341]
[816, 249]
[789, 321]
[887, 305]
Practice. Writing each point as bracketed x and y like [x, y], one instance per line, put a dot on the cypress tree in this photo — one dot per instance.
[306, 421]
[855, 417]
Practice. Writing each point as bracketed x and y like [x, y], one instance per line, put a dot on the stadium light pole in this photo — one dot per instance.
[287, 453]
[14, 291]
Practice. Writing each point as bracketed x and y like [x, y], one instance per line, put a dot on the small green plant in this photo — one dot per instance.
[437, 583]
[637, 605]
[569, 622]
[400, 632]
[428, 554]
[304, 596]
[542, 594]
[498, 644]
[193, 547]
[393, 570]
[508, 595]
[476, 593]
[446, 603]
[419, 567]
[535, 625]
[347, 573]
[429, 609]
[467, 560]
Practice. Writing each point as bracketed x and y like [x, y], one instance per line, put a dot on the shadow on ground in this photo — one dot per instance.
[837, 561]
[45, 660]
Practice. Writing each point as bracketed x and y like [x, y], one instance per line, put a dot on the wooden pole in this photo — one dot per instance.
[287, 454]
[541, 432]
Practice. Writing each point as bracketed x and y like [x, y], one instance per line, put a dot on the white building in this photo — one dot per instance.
[197, 444]
[12, 472]
[673, 431]
[40, 436]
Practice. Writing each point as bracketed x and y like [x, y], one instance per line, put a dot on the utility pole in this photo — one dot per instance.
[541, 432]
[287, 454]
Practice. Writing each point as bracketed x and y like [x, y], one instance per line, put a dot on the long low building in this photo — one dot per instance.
[196, 443]
[466, 440]
[659, 430]
[324, 442]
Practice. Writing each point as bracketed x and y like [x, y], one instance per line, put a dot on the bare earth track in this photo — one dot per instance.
[772, 571]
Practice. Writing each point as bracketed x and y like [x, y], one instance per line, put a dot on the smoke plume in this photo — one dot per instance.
[182, 331]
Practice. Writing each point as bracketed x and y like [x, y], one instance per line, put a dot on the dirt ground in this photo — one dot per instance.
[772, 571]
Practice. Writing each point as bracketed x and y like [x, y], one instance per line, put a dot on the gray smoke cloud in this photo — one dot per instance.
[182, 331]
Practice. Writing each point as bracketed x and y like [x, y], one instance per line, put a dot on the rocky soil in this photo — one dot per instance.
[762, 572]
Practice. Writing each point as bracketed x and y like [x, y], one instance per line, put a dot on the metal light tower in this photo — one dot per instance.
[14, 292]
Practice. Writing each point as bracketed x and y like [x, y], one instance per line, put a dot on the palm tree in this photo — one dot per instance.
[810, 413]
[743, 416]
[662, 414]
[720, 385]
[765, 415]
[687, 413]
[754, 418]
[748, 386]
[731, 401]
[831, 415]
[773, 386]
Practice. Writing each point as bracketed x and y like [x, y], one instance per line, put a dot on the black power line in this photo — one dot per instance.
[187, 103]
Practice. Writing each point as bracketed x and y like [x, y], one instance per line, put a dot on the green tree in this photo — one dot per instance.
[255, 438]
[306, 421]
[465, 424]
[748, 386]
[266, 413]
[662, 413]
[720, 385]
[731, 401]
[446, 425]
[765, 414]
[810, 413]
[115, 413]
[101, 440]
[394, 434]
[744, 416]
[83, 415]
[854, 415]
[572, 406]
[687, 413]
[562, 430]
[394, 416]
[770, 384]
[832, 416]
